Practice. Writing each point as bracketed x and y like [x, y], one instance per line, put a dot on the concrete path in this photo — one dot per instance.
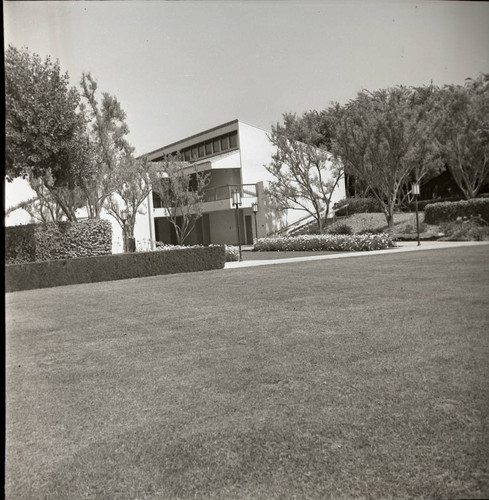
[402, 246]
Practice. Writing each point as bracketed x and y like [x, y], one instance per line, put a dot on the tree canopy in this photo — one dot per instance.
[106, 130]
[181, 190]
[305, 175]
[385, 139]
[45, 138]
[463, 136]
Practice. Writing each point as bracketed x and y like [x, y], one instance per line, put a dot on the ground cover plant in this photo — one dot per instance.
[317, 242]
[363, 377]
[473, 229]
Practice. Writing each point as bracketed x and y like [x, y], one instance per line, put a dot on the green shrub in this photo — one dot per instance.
[54, 241]
[340, 229]
[436, 213]
[20, 244]
[465, 230]
[370, 230]
[232, 253]
[325, 242]
[111, 267]
[359, 206]
[412, 229]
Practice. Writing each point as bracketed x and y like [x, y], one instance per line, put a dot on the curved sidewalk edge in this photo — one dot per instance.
[402, 246]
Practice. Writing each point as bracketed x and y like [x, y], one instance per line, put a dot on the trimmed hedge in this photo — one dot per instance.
[325, 242]
[232, 252]
[436, 213]
[57, 240]
[111, 267]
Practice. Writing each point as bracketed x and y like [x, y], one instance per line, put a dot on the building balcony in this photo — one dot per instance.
[217, 198]
[225, 192]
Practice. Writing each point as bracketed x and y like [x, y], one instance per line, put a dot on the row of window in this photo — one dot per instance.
[211, 147]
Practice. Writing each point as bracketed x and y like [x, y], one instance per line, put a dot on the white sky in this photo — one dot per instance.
[181, 67]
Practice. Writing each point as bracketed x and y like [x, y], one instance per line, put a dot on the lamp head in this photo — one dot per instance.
[236, 198]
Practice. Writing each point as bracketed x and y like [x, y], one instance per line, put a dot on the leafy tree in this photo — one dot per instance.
[132, 183]
[106, 130]
[181, 190]
[44, 131]
[46, 208]
[463, 136]
[305, 173]
[385, 139]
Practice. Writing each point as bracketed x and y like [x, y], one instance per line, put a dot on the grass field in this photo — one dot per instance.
[349, 378]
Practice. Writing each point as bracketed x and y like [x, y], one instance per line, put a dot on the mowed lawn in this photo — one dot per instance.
[351, 378]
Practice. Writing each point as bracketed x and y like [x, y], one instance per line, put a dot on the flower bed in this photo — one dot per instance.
[325, 242]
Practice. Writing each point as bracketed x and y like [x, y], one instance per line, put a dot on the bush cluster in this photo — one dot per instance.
[359, 206]
[436, 213]
[340, 228]
[54, 241]
[325, 242]
[111, 267]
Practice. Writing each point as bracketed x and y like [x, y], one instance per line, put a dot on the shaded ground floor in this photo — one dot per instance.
[219, 227]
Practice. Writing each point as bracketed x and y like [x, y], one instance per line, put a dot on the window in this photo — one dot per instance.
[216, 145]
[208, 147]
[157, 203]
[187, 155]
[233, 139]
[194, 152]
[224, 142]
[201, 150]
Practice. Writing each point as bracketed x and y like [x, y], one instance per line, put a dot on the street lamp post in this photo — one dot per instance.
[124, 219]
[415, 190]
[237, 203]
[254, 208]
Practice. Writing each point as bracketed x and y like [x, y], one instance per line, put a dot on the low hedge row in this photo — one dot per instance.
[111, 267]
[232, 252]
[57, 240]
[325, 242]
[437, 213]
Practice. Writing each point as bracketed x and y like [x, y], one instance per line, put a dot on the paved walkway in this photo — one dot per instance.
[402, 246]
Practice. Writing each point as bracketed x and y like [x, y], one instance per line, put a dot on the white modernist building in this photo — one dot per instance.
[234, 156]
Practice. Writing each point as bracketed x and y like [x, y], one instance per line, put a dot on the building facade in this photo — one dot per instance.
[233, 155]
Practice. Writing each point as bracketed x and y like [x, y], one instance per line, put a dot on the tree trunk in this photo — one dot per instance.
[389, 215]
[319, 221]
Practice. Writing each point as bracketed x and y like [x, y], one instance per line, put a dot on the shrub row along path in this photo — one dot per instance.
[344, 378]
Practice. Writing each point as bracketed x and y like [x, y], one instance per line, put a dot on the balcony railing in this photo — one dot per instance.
[225, 192]
[219, 193]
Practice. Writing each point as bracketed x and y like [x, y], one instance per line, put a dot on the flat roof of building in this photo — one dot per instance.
[194, 136]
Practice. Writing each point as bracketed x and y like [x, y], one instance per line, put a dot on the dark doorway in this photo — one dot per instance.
[249, 230]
